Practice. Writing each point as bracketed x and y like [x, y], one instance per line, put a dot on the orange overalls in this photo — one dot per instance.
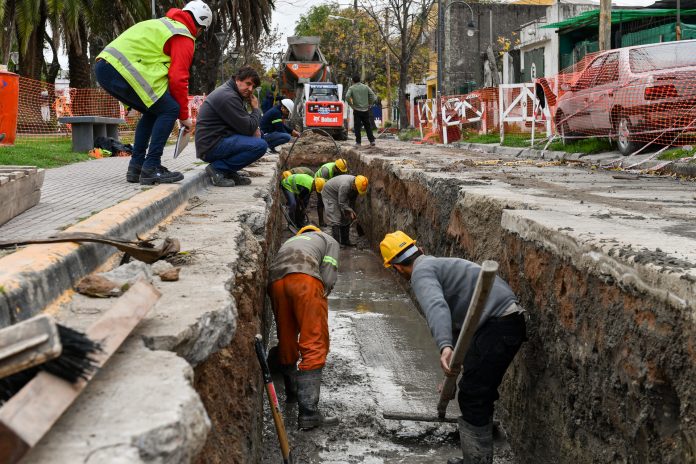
[300, 308]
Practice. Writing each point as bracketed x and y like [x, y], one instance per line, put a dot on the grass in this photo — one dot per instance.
[677, 153]
[587, 146]
[408, 134]
[40, 153]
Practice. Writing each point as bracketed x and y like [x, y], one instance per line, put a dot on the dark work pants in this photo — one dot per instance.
[492, 350]
[362, 118]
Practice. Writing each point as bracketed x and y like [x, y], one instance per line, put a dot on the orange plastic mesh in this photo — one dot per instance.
[635, 95]
[42, 104]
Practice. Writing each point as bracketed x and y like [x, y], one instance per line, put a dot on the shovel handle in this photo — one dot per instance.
[484, 283]
[273, 400]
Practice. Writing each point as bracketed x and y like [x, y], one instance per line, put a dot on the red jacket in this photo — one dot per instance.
[180, 49]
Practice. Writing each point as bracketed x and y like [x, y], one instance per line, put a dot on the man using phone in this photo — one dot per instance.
[227, 134]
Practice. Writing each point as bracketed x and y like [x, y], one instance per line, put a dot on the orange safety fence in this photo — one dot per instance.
[637, 96]
[42, 104]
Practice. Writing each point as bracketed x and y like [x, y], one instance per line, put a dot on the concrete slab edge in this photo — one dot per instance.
[33, 277]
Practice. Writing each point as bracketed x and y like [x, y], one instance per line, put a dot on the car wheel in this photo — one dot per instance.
[624, 134]
[562, 128]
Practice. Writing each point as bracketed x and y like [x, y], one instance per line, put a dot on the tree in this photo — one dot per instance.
[407, 19]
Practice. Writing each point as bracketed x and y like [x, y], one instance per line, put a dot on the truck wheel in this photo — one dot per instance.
[341, 135]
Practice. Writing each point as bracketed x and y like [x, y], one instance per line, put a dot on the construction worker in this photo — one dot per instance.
[328, 171]
[297, 189]
[302, 275]
[339, 195]
[147, 68]
[227, 135]
[360, 97]
[298, 170]
[274, 131]
[444, 288]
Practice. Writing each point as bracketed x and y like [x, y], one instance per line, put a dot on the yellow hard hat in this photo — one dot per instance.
[319, 184]
[286, 174]
[361, 184]
[341, 165]
[309, 228]
[393, 244]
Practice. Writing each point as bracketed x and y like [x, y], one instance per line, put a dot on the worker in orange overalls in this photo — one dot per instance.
[302, 275]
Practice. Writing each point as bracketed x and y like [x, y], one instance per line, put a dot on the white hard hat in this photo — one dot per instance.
[286, 102]
[201, 12]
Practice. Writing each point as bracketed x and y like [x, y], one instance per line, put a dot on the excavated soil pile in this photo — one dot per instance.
[312, 149]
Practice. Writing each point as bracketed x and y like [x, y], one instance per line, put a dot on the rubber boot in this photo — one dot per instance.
[345, 236]
[320, 214]
[290, 378]
[308, 388]
[476, 443]
[336, 233]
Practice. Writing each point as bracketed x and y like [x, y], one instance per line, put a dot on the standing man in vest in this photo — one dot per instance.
[302, 275]
[227, 134]
[444, 288]
[297, 189]
[360, 97]
[339, 196]
[328, 171]
[147, 68]
[273, 128]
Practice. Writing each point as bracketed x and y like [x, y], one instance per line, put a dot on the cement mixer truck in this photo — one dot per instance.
[306, 78]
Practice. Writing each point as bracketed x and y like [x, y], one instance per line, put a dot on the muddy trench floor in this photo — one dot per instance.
[381, 358]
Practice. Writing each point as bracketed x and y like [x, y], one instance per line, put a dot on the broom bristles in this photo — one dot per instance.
[75, 362]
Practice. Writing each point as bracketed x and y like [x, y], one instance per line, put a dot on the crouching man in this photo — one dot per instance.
[444, 288]
[302, 275]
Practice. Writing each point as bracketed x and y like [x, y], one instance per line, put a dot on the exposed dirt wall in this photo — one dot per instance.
[607, 373]
[229, 382]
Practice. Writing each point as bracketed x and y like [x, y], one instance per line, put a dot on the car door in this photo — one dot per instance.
[602, 96]
[576, 101]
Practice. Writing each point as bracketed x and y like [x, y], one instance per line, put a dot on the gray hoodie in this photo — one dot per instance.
[444, 288]
[312, 253]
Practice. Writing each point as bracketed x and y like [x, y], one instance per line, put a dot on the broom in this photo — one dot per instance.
[40, 344]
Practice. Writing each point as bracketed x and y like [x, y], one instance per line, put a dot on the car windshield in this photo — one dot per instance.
[671, 55]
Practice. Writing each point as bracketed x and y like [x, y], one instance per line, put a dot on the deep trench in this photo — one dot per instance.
[604, 376]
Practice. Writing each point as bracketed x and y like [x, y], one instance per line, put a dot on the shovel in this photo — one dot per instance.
[484, 283]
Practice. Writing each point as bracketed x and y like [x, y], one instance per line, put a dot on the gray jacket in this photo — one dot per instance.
[312, 253]
[223, 114]
[338, 195]
[444, 288]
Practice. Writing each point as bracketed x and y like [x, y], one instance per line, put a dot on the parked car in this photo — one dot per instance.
[635, 95]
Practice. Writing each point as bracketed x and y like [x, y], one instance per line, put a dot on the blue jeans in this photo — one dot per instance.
[275, 139]
[236, 152]
[156, 123]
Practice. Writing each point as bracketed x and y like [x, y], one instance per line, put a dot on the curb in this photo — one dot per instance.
[680, 169]
[33, 277]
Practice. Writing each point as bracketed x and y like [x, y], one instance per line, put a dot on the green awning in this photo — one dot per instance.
[591, 18]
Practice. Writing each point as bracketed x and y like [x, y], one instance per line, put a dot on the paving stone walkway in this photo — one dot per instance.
[76, 191]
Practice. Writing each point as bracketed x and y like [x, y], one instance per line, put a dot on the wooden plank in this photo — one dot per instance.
[19, 191]
[31, 413]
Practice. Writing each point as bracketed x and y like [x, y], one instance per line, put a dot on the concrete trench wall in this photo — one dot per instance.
[607, 373]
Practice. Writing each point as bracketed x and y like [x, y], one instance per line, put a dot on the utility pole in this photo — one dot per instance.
[440, 51]
[604, 25]
[387, 115]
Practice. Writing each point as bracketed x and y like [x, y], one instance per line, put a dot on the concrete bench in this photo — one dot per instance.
[87, 128]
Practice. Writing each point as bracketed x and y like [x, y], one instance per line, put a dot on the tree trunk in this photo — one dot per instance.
[31, 57]
[206, 66]
[403, 82]
[7, 24]
[79, 72]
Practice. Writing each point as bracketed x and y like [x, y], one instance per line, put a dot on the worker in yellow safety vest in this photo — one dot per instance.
[147, 68]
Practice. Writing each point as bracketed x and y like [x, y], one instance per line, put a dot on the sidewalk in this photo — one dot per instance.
[74, 192]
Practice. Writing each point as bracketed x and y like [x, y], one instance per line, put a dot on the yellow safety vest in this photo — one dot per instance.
[138, 56]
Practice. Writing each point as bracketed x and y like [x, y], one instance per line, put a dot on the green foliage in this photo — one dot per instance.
[587, 146]
[677, 153]
[40, 153]
[406, 135]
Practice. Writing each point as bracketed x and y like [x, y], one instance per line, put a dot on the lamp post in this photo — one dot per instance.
[470, 31]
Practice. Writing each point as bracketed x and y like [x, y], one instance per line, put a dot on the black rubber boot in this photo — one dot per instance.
[345, 236]
[336, 233]
[308, 389]
[218, 178]
[290, 378]
[133, 174]
[320, 213]
[159, 175]
[476, 443]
